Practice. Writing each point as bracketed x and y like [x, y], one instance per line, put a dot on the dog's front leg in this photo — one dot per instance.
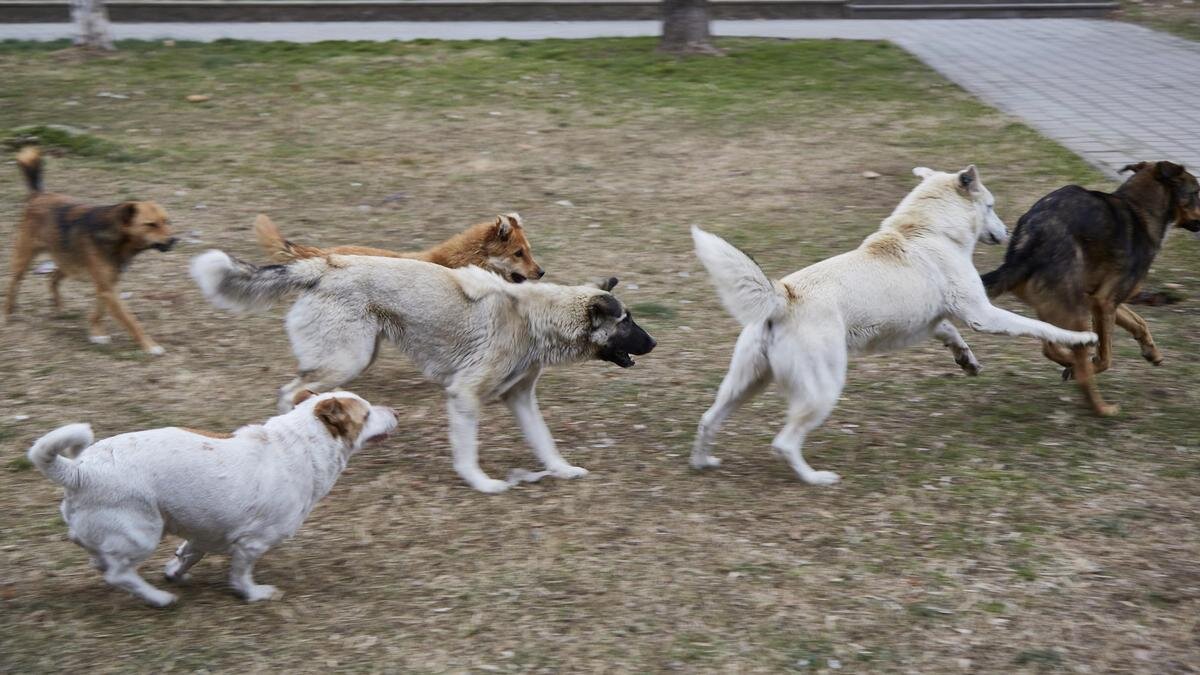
[522, 401]
[985, 317]
[241, 571]
[953, 340]
[464, 424]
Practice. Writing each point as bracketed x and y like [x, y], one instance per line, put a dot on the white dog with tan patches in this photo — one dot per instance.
[238, 493]
[900, 287]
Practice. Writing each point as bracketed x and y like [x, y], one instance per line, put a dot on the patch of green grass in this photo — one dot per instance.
[70, 140]
[654, 310]
[18, 464]
[1039, 658]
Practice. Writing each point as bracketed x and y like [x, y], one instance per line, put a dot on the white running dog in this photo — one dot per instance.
[902, 285]
[239, 494]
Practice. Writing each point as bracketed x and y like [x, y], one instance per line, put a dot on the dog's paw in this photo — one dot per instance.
[1108, 410]
[568, 471]
[172, 571]
[259, 592]
[490, 486]
[702, 462]
[160, 599]
[820, 478]
[99, 339]
[1087, 338]
[156, 350]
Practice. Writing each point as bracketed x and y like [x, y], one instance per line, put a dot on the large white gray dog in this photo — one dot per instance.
[900, 287]
[480, 337]
[238, 493]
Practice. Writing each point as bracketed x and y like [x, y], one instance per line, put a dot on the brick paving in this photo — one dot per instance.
[1112, 92]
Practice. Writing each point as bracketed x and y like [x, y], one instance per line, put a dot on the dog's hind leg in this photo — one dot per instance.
[463, 407]
[748, 374]
[241, 571]
[185, 556]
[333, 342]
[1103, 322]
[812, 376]
[56, 278]
[953, 340]
[522, 401]
[120, 551]
[1140, 330]
[22, 256]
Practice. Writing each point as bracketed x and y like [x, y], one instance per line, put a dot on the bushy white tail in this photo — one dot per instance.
[234, 285]
[54, 453]
[748, 295]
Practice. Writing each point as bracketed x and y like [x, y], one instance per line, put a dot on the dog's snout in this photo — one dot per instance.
[653, 344]
[541, 273]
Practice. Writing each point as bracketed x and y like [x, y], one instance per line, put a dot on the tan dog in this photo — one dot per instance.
[95, 243]
[499, 246]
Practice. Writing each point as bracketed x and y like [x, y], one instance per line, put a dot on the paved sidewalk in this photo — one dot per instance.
[1113, 92]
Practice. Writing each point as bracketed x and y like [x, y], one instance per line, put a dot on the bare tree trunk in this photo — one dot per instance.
[685, 28]
[91, 22]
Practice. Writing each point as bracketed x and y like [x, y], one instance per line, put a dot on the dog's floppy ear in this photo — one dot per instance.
[343, 417]
[606, 284]
[923, 172]
[302, 396]
[968, 178]
[1168, 170]
[125, 213]
[1138, 166]
[604, 307]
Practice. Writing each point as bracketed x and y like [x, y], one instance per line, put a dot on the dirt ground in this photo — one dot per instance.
[982, 524]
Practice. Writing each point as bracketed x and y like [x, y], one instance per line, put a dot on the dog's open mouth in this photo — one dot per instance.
[516, 277]
[378, 438]
[1191, 225]
[617, 356]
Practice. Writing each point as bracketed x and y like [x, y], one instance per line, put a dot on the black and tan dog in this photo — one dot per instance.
[93, 243]
[1081, 253]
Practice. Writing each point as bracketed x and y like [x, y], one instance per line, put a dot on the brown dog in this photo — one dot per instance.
[499, 246]
[95, 243]
[1080, 254]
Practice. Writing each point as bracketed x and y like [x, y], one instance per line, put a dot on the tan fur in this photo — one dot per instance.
[885, 245]
[207, 434]
[503, 238]
[343, 417]
[92, 243]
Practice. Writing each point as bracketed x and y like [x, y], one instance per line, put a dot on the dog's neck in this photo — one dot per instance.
[1152, 201]
[307, 442]
[465, 248]
[557, 317]
[924, 214]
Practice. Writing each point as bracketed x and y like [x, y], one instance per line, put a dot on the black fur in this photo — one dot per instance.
[1073, 228]
[253, 285]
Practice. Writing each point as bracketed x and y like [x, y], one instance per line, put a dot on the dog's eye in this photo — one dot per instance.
[520, 254]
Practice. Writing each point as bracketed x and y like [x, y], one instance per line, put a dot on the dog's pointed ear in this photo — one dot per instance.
[604, 307]
[125, 212]
[606, 284]
[302, 396]
[1135, 167]
[1169, 170]
[968, 178]
[923, 172]
[504, 228]
[514, 220]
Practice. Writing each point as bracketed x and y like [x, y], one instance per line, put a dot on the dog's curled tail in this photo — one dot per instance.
[279, 249]
[29, 159]
[747, 293]
[54, 454]
[1001, 280]
[235, 285]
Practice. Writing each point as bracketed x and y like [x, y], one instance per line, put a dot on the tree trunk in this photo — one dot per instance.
[91, 24]
[685, 28]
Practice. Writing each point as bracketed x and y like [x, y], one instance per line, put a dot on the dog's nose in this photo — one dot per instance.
[541, 273]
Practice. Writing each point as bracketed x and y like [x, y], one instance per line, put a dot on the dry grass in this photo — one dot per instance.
[986, 524]
[1181, 17]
